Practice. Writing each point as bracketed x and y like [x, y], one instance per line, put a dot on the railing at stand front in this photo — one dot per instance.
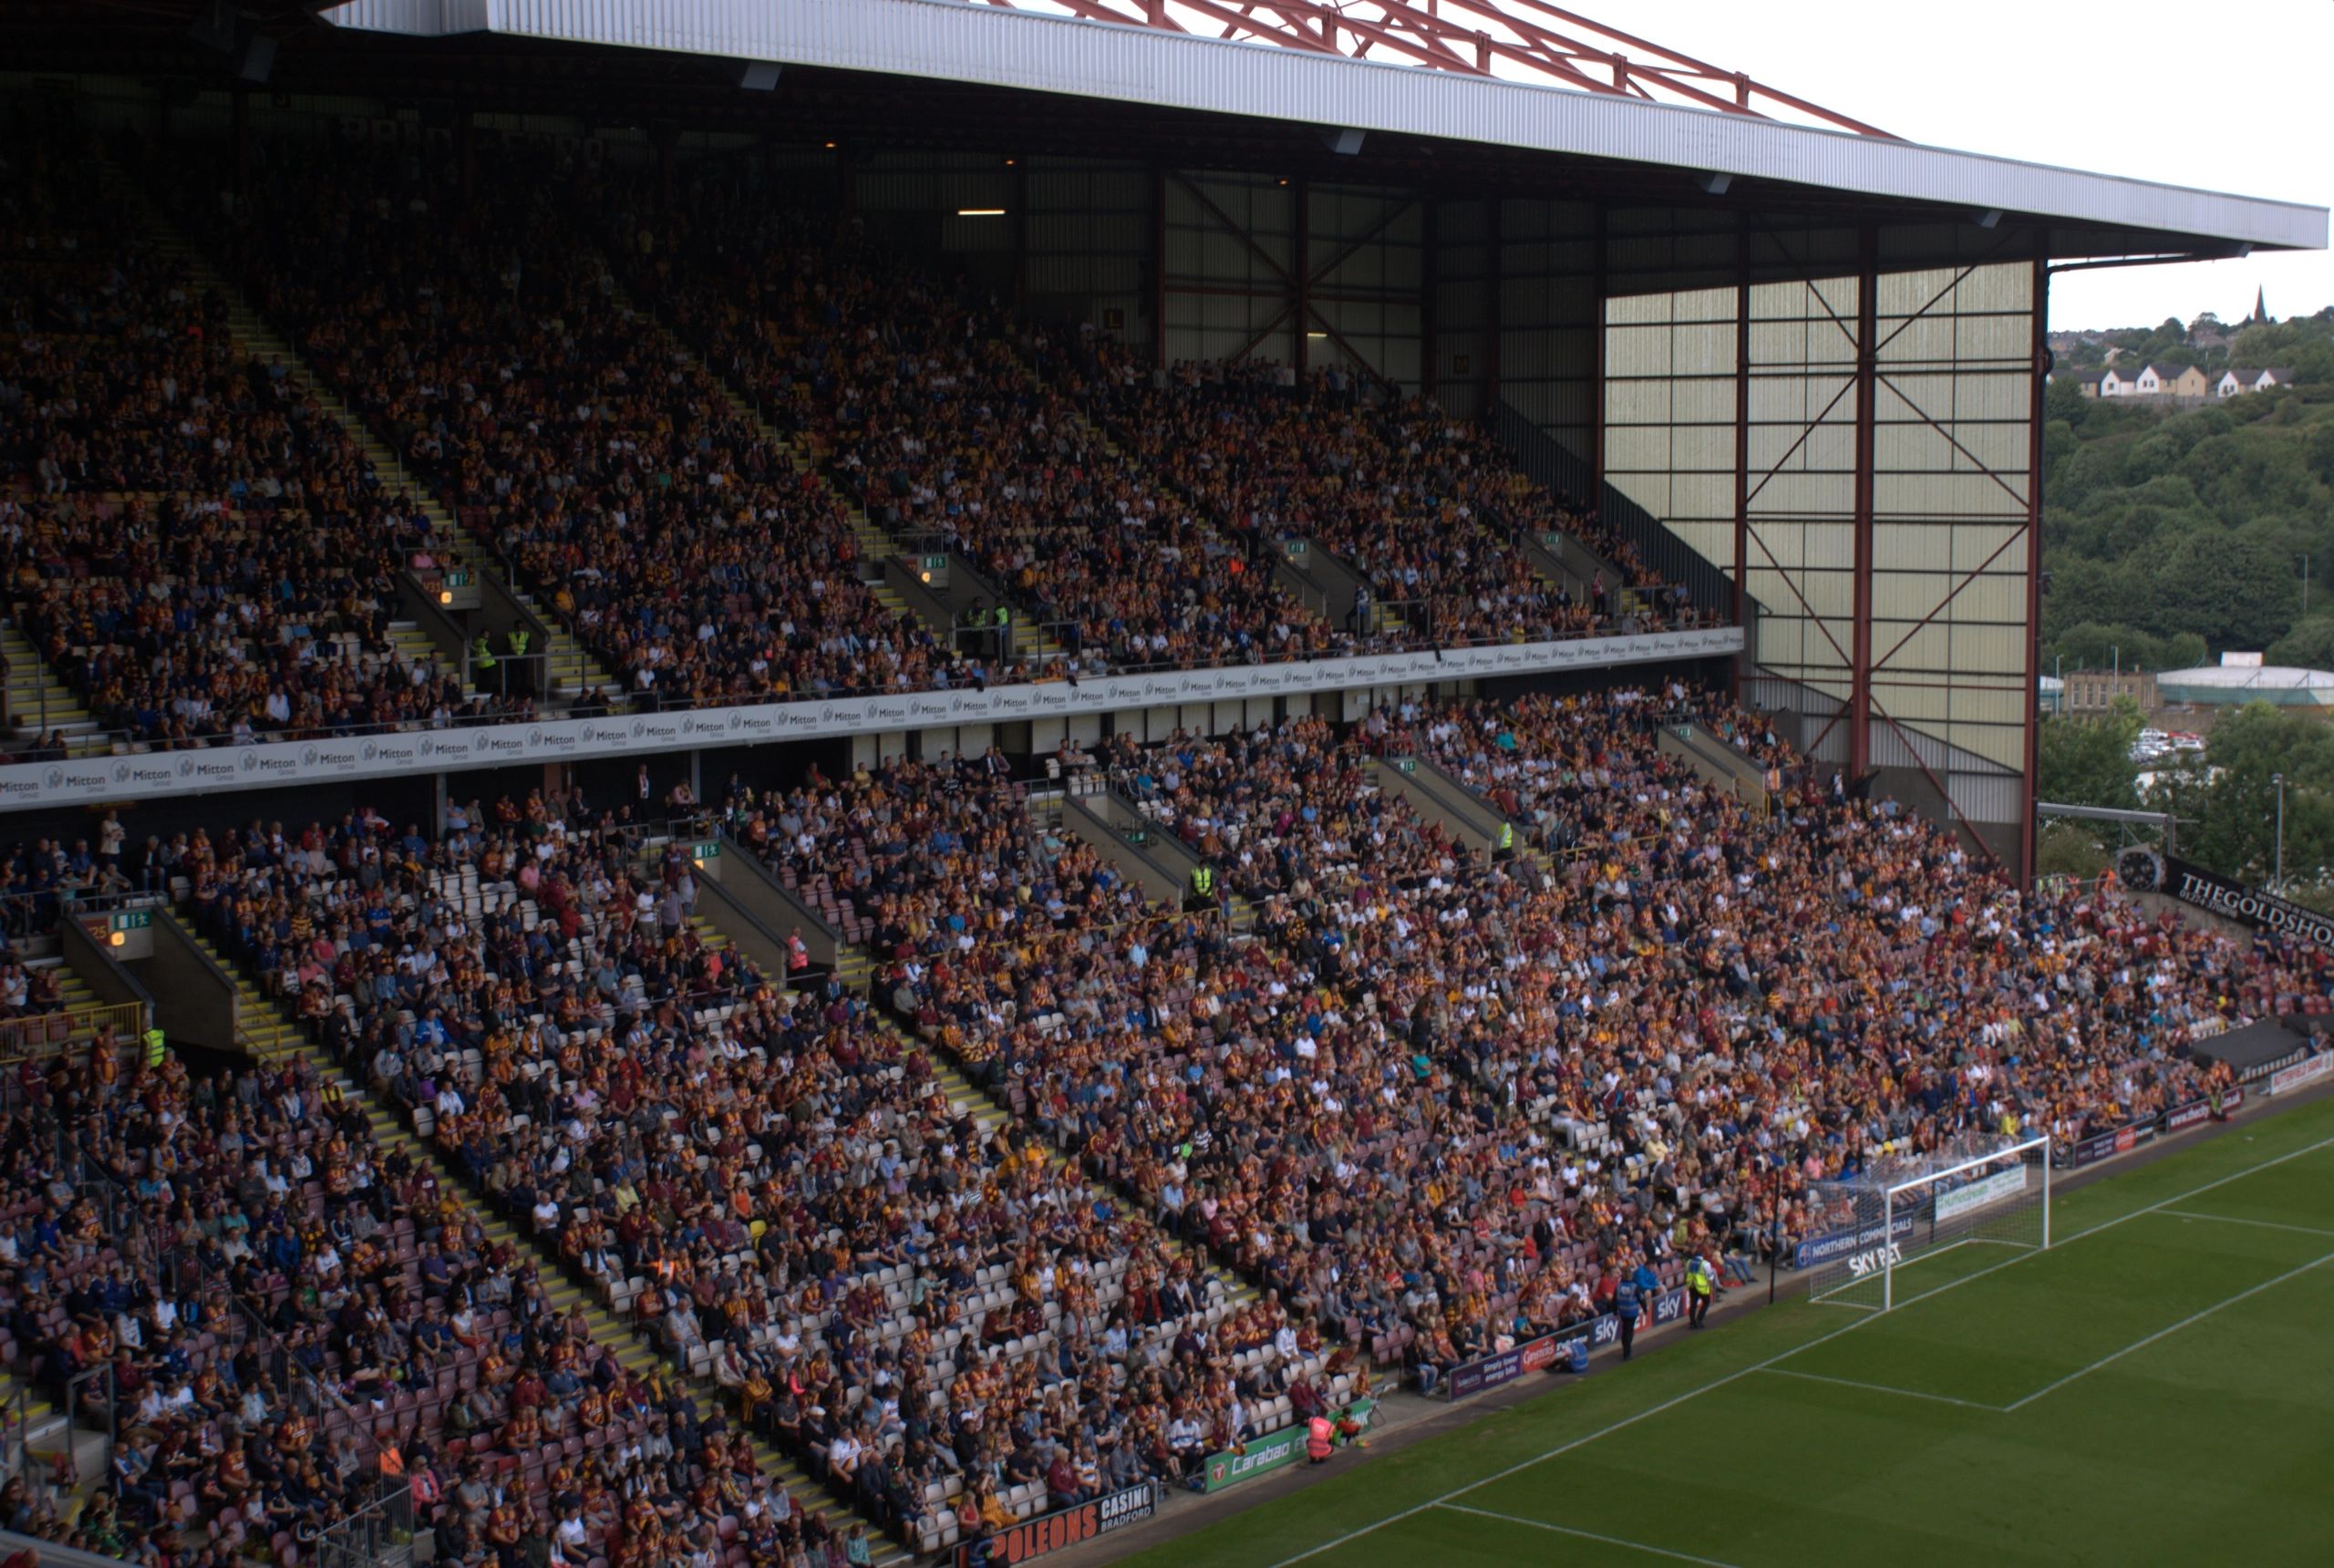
[40, 1036]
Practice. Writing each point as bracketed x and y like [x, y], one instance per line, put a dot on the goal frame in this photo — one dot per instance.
[1916, 1197]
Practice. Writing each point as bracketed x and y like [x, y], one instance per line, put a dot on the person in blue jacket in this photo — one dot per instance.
[1628, 1301]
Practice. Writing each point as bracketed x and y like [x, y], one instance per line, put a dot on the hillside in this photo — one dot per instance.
[2176, 534]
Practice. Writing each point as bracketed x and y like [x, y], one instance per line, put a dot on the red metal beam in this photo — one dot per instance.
[2033, 696]
[1528, 38]
[1742, 439]
[1867, 383]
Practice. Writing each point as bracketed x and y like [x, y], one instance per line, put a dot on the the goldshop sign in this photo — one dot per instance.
[28, 784]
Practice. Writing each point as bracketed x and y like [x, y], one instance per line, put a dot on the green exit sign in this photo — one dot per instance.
[1408, 765]
[1295, 549]
[131, 920]
[935, 563]
[710, 850]
[459, 577]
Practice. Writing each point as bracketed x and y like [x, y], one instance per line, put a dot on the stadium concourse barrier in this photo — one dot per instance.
[2302, 1073]
[129, 775]
[1046, 1533]
[1469, 1377]
[1275, 1450]
[2114, 1140]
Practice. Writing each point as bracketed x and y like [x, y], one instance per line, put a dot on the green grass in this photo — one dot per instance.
[2156, 1388]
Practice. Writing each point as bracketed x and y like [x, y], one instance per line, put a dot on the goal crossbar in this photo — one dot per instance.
[1913, 1208]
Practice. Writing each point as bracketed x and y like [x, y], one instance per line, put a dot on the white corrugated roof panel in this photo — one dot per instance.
[953, 41]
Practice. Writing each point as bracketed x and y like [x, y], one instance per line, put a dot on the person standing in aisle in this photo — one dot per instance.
[1627, 1303]
[1699, 1283]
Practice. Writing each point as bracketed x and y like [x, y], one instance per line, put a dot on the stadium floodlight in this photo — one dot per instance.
[1906, 1211]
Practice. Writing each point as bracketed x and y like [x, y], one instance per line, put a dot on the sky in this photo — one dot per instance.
[2228, 97]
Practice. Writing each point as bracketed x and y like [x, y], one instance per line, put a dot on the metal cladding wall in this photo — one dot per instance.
[1856, 445]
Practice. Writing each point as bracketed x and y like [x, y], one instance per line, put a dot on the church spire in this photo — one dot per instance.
[2260, 306]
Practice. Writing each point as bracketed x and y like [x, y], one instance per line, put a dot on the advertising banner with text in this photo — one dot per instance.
[85, 781]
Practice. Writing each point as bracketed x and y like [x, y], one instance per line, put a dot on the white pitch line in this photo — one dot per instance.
[1885, 1388]
[1584, 1534]
[1716, 1383]
[2240, 1220]
[2190, 1320]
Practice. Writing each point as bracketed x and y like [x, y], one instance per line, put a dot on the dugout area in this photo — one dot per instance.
[1797, 361]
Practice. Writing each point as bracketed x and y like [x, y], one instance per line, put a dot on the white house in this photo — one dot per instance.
[2236, 382]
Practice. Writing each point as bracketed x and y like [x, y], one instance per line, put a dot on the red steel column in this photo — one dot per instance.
[1743, 440]
[1494, 329]
[1430, 269]
[1867, 386]
[1300, 273]
[2032, 694]
[1596, 403]
[1159, 266]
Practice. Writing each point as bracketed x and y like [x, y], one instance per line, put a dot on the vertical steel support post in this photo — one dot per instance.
[1596, 359]
[1741, 439]
[1300, 272]
[1159, 266]
[1494, 326]
[1429, 273]
[1867, 386]
[2041, 304]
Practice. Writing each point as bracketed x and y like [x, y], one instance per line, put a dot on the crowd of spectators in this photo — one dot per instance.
[1423, 505]
[301, 1328]
[490, 343]
[188, 540]
[925, 1308]
[1447, 1099]
[941, 412]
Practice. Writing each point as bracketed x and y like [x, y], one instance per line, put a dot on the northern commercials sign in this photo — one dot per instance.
[88, 779]
[2263, 911]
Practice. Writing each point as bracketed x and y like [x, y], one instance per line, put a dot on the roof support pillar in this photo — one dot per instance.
[1430, 278]
[1494, 328]
[1867, 381]
[1300, 272]
[1159, 267]
[1741, 596]
[2041, 304]
[1596, 404]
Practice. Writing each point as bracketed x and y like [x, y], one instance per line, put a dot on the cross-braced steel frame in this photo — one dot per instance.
[1526, 39]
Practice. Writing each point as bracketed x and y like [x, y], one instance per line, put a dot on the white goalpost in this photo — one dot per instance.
[1908, 1208]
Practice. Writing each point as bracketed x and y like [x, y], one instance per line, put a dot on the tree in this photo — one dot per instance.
[2309, 645]
[2228, 807]
[2088, 761]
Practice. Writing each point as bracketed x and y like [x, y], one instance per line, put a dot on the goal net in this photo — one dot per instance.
[1907, 1210]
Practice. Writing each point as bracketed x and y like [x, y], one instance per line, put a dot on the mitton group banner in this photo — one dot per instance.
[87, 780]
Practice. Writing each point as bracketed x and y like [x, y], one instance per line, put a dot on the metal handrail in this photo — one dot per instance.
[1014, 671]
[40, 1036]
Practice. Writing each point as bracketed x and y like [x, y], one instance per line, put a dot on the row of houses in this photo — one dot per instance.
[2182, 381]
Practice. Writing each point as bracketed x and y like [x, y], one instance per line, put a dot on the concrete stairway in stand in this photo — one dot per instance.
[855, 968]
[636, 1354]
[38, 700]
[569, 667]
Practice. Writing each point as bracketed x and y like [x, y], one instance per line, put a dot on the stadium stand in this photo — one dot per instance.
[945, 418]
[1052, 1185]
[1424, 507]
[191, 543]
[583, 445]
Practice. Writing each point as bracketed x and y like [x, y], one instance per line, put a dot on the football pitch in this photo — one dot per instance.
[2156, 1388]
